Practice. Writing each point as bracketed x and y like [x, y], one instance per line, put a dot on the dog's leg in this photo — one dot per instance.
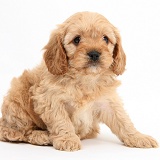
[14, 123]
[17, 126]
[62, 132]
[11, 135]
[36, 137]
[120, 124]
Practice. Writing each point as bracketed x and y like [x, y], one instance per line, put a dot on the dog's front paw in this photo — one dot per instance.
[65, 143]
[139, 140]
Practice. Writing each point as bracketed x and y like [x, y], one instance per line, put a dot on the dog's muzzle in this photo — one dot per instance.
[94, 55]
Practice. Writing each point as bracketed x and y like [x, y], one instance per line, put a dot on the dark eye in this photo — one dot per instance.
[105, 38]
[76, 40]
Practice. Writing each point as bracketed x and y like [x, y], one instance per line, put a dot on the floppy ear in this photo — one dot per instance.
[55, 56]
[119, 56]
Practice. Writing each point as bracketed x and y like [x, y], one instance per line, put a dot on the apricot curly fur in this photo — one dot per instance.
[65, 97]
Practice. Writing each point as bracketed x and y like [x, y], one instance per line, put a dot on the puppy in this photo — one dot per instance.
[63, 100]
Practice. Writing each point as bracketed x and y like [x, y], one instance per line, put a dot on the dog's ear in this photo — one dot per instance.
[55, 56]
[119, 56]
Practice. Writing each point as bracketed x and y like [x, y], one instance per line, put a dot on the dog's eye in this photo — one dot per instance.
[76, 40]
[105, 38]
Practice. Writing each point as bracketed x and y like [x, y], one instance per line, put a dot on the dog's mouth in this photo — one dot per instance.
[93, 66]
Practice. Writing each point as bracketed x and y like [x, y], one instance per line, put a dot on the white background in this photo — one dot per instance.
[25, 26]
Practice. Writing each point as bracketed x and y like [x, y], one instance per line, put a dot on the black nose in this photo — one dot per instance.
[94, 55]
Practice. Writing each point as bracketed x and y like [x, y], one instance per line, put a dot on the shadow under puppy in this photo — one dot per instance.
[64, 99]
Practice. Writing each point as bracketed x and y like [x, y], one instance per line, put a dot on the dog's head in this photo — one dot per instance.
[86, 42]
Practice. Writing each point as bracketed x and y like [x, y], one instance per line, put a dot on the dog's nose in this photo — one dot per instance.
[94, 55]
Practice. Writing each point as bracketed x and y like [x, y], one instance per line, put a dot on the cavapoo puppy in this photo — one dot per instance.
[63, 100]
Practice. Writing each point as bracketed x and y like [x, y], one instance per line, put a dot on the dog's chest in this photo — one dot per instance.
[84, 118]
